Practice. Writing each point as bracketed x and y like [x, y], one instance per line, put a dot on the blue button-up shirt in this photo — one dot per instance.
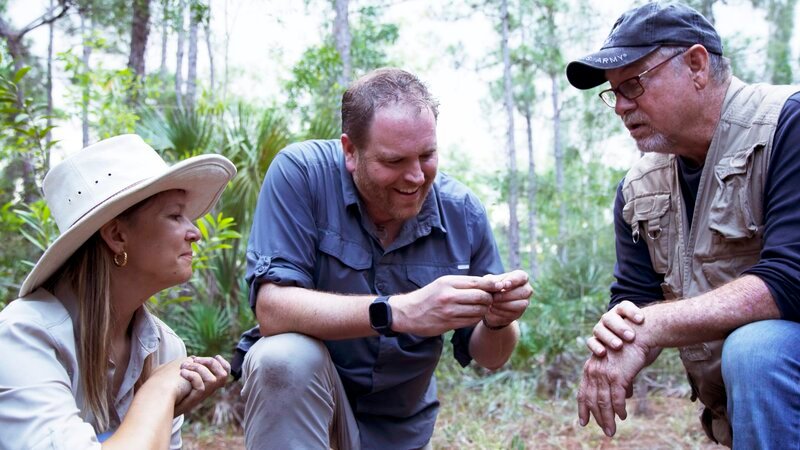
[311, 230]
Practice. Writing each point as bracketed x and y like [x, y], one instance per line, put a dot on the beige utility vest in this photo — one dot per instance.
[725, 237]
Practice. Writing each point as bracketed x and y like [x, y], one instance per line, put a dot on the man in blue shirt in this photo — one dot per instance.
[361, 256]
[708, 216]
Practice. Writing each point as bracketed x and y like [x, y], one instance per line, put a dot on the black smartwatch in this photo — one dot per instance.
[380, 316]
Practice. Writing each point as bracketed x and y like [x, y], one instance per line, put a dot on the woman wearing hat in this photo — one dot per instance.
[83, 361]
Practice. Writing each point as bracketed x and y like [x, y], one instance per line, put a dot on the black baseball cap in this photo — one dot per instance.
[639, 32]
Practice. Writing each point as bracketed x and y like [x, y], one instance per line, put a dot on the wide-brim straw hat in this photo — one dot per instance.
[96, 184]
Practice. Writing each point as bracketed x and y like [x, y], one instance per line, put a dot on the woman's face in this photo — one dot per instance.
[159, 241]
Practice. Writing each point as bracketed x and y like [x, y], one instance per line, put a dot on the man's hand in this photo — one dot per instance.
[607, 382]
[510, 297]
[614, 328]
[449, 302]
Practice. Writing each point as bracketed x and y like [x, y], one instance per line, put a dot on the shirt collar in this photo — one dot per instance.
[145, 329]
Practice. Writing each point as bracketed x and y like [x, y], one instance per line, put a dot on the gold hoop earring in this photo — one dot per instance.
[120, 259]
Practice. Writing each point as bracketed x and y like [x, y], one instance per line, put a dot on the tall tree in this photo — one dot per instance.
[13, 37]
[191, 77]
[140, 31]
[165, 21]
[179, 53]
[207, 30]
[780, 16]
[342, 40]
[18, 51]
[525, 97]
[508, 105]
[552, 64]
[84, 11]
[49, 111]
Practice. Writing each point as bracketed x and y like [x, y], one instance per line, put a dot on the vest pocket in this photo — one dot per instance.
[730, 213]
[649, 219]
[734, 219]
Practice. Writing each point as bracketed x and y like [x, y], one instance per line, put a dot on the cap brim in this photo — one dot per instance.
[589, 71]
[203, 178]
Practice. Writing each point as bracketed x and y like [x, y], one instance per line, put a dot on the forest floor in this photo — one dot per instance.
[475, 420]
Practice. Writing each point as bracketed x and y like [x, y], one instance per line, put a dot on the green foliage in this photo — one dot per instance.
[216, 234]
[26, 229]
[179, 133]
[40, 228]
[779, 52]
[314, 89]
[105, 93]
[205, 328]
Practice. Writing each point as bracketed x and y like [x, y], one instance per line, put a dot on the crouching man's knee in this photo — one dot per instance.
[760, 366]
[289, 388]
[284, 362]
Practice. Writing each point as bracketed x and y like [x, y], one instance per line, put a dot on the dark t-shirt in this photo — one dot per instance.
[779, 265]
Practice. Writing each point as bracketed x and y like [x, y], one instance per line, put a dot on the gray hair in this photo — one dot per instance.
[720, 66]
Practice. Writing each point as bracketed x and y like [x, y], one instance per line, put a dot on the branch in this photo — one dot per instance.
[64, 5]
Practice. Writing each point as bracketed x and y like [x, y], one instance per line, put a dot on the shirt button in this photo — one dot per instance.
[381, 286]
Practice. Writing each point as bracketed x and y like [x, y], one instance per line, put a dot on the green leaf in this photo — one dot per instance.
[21, 73]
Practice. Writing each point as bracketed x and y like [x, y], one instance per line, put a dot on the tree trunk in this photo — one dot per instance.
[207, 30]
[140, 30]
[342, 40]
[226, 60]
[164, 38]
[87, 53]
[508, 103]
[532, 191]
[191, 78]
[49, 113]
[179, 55]
[558, 153]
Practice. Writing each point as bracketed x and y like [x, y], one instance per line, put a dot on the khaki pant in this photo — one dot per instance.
[294, 398]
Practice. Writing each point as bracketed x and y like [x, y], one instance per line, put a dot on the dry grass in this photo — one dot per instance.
[516, 410]
[505, 414]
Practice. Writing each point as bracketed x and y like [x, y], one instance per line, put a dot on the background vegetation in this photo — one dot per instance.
[550, 196]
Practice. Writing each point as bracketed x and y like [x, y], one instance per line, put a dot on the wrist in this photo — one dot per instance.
[398, 315]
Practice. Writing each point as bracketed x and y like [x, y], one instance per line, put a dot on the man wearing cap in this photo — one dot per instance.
[708, 216]
[360, 258]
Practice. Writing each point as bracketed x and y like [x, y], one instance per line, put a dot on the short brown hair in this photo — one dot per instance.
[375, 90]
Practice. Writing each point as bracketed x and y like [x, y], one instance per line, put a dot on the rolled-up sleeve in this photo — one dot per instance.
[283, 236]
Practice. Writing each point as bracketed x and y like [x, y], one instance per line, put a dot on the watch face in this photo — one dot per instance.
[379, 314]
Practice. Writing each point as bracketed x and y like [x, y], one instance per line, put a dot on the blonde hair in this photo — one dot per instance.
[88, 272]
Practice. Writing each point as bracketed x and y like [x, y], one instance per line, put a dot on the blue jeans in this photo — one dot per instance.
[761, 369]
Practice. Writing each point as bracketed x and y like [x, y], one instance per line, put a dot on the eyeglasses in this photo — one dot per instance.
[632, 87]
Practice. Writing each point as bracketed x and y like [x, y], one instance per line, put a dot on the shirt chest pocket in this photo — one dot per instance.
[421, 275]
[649, 218]
[342, 265]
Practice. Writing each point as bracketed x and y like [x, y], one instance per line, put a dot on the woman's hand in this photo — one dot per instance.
[205, 375]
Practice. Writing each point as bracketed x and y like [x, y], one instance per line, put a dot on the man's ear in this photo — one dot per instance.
[698, 61]
[114, 235]
[350, 153]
